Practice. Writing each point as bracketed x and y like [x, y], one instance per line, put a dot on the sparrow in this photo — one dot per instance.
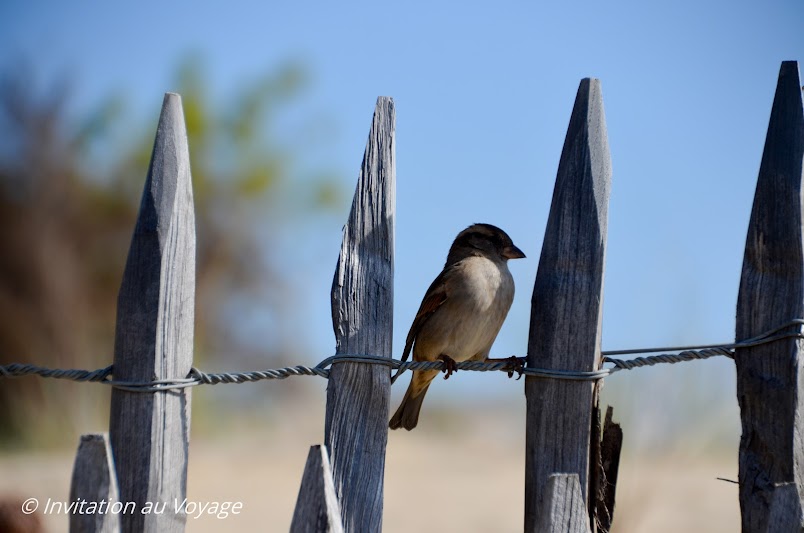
[461, 313]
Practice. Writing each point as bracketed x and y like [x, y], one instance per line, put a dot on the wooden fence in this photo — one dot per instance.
[571, 461]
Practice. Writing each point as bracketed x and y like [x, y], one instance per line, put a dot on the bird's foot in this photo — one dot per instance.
[517, 365]
[450, 365]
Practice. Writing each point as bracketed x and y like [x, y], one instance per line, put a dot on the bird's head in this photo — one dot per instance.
[486, 240]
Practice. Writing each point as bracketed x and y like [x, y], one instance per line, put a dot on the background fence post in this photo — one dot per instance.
[358, 394]
[770, 377]
[566, 308]
[94, 480]
[150, 431]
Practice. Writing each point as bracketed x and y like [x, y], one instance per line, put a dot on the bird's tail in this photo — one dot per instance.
[407, 415]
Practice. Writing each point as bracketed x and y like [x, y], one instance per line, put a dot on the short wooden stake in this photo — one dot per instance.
[564, 507]
[317, 509]
[94, 482]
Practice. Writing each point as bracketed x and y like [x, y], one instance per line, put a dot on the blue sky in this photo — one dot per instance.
[483, 97]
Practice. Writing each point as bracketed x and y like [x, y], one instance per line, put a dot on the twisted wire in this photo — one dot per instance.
[322, 369]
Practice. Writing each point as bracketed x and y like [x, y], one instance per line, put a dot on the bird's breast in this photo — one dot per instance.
[473, 313]
[482, 287]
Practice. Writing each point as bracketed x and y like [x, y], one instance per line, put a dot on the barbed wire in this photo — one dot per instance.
[197, 377]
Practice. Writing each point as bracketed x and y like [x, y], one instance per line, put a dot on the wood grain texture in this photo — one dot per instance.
[770, 377]
[566, 308]
[150, 432]
[563, 508]
[317, 509]
[94, 480]
[358, 394]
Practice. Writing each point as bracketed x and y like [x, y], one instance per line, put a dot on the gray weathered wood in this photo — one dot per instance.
[358, 394]
[566, 308]
[770, 377]
[150, 432]
[785, 510]
[563, 508]
[317, 509]
[94, 481]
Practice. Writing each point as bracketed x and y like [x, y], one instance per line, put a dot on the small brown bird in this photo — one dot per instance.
[461, 313]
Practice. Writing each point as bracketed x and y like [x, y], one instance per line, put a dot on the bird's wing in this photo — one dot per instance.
[435, 296]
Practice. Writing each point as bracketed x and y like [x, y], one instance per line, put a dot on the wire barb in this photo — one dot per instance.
[197, 377]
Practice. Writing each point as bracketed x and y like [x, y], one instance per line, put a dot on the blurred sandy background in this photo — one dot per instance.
[458, 472]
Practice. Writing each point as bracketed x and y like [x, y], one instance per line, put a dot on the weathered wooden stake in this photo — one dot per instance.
[317, 509]
[785, 511]
[770, 377]
[94, 481]
[150, 432]
[563, 508]
[566, 308]
[358, 394]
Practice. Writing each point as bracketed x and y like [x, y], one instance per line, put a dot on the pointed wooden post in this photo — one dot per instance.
[317, 509]
[770, 377]
[566, 308]
[150, 431]
[358, 394]
[94, 480]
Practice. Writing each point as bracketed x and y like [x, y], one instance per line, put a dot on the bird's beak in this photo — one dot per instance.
[512, 252]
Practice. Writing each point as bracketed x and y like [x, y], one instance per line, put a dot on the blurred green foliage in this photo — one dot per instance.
[69, 196]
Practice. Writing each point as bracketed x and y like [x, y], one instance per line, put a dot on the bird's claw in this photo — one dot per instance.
[517, 365]
[450, 365]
